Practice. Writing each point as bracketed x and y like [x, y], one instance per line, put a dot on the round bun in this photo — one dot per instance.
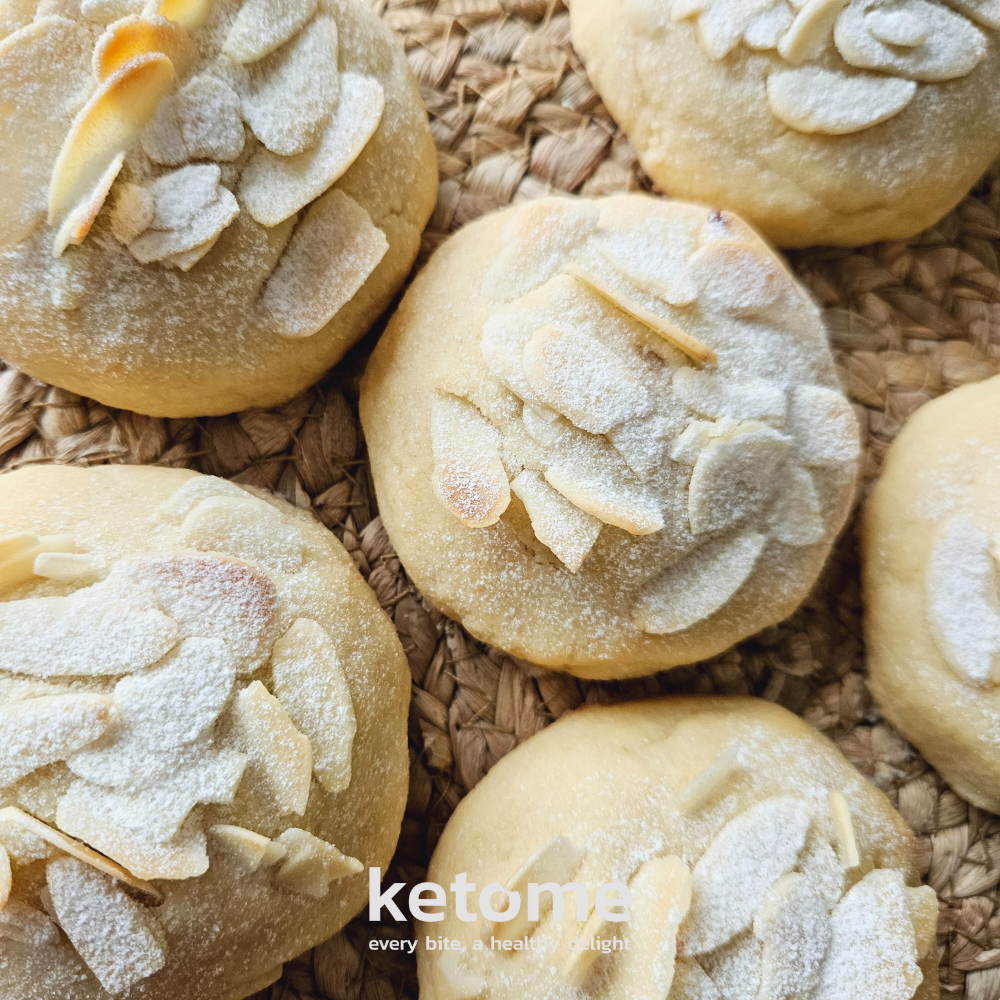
[821, 123]
[929, 536]
[203, 213]
[607, 436]
[204, 718]
[759, 862]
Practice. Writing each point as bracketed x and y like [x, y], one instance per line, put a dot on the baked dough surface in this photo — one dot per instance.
[931, 601]
[607, 436]
[196, 220]
[821, 123]
[760, 863]
[198, 685]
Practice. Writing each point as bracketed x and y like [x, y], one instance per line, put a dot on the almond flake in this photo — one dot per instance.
[68, 845]
[923, 905]
[126, 763]
[121, 941]
[39, 731]
[280, 755]
[735, 476]
[707, 785]
[732, 877]
[674, 335]
[738, 277]
[714, 396]
[469, 477]
[185, 498]
[246, 528]
[274, 187]
[797, 516]
[873, 949]
[293, 93]
[847, 847]
[735, 967]
[897, 27]
[631, 508]
[584, 380]
[953, 48]
[568, 531]
[768, 27]
[133, 36]
[186, 259]
[192, 207]
[693, 440]
[691, 982]
[986, 12]
[463, 984]
[699, 585]
[32, 78]
[819, 863]
[811, 99]
[557, 861]
[811, 31]
[793, 927]
[310, 683]
[189, 14]
[108, 126]
[65, 565]
[273, 853]
[78, 222]
[208, 117]
[578, 968]
[105, 629]
[311, 864]
[12, 545]
[823, 424]
[26, 925]
[661, 895]
[643, 443]
[5, 878]
[163, 142]
[105, 11]
[132, 212]
[243, 847]
[330, 256]
[261, 26]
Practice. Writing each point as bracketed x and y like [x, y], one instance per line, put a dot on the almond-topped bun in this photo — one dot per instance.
[760, 864]
[608, 436]
[930, 542]
[820, 121]
[203, 203]
[203, 711]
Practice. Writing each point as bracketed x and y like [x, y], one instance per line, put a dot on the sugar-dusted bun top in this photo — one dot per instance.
[643, 383]
[203, 711]
[759, 863]
[178, 180]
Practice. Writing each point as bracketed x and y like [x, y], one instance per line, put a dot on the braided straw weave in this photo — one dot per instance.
[514, 116]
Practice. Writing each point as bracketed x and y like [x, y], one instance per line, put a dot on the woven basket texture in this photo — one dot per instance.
[514, 117]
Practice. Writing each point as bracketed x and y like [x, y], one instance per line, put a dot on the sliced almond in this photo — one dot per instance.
[273, 853]
[735, 967]
[12, 545]
[557, 861]
[632, 509]
[462, 983]
[673, 334]
[722, 398]
[923, 905]
[797, 515]
[275, 187]
[738, 276]
[331, 255]
[293, 92]
[568, 531]
[579, 966]
[661, 896]
[107, 11]
[766, 30]
[242, 846]
[897, 27]
[986, 12]
[732, 877]
[820, 864]
[247, 528]
[184, 260]
[19, 566]
[311, 864]
[847, 846]
[5, 877]
[261, 26]
[708, 784]
[43, 65]
[40, 731]
[132, 212]
[280, 754]
[76, 849]
[108, 126]
[79, 221]
[311, 684]
[26, 925]
[208, 117]
[823, 424]
[132, 37]
[811, 31]
[469, 477]
[121, 941]
[65, 565]
[811, 99]
[691, 982]
[692, 441]
[189, 14]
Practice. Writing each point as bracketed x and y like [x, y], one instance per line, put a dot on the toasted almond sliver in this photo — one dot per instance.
[132, 37]
[12, 545]
[5, 877]
[64, 565]
[243, 846]
[20, 566]
[77, 224]
[108, 125]
[707, 784]
[633, 510]
[189, 14]
[80, 851]
[847, 845]
[312, 864]
[674, 335]
[811, 29]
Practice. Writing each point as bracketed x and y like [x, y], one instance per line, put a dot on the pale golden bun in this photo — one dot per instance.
[205, 691]
[595, 492]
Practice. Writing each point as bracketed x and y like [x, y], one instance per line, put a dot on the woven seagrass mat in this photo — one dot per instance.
[514, 116]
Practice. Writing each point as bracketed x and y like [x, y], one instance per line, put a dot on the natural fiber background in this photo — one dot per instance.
[514, 116]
